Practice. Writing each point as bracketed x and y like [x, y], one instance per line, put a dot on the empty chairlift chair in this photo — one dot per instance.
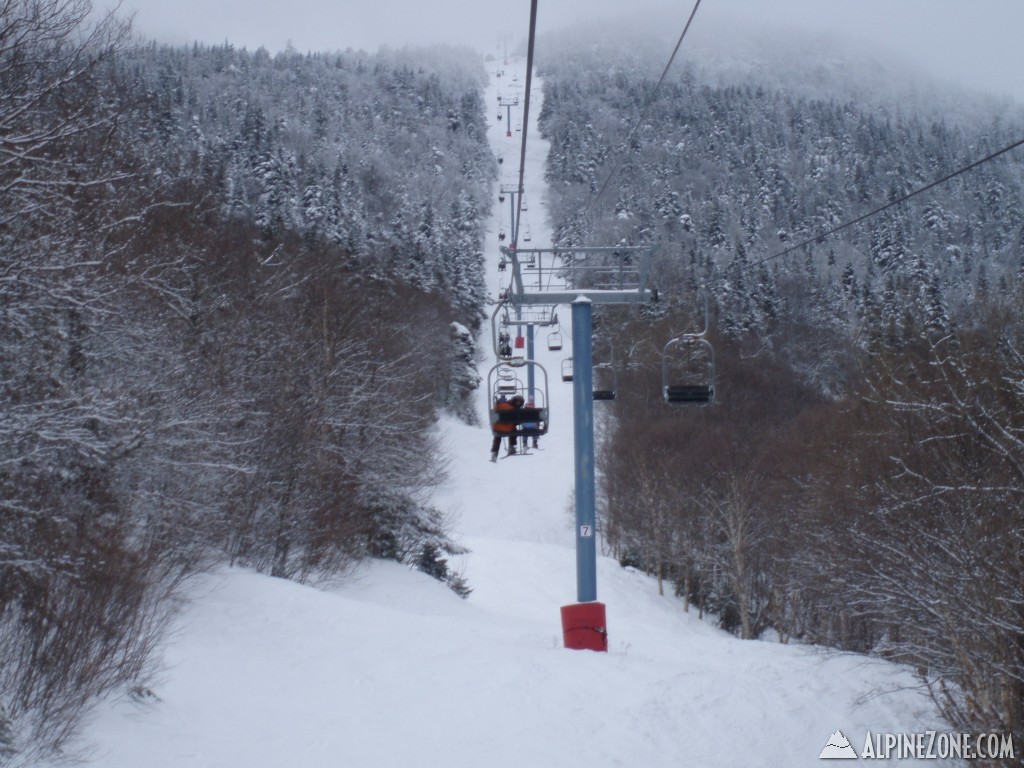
[688, 371]
[605, 372]
[507, 383]
[554, 341]
[567, 369]
[605, 381]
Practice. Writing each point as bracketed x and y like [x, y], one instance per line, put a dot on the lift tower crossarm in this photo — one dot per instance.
[568, 297]
[604, 275]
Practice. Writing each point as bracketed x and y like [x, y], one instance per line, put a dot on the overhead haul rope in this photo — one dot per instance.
[881, 208]
[526, 118]
[643, 115]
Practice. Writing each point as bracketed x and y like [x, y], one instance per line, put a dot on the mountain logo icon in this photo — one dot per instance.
[838, 748]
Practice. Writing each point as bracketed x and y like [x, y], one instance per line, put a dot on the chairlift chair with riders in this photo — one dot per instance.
[530, 419]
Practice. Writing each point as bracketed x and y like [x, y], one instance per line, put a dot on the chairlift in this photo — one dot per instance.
[554, 341]
[606, 381]
[688, 367]
[501, 235]
[567, 369]
[688, 370]
[526, 238]
[605, 373]
[529, 420]
[522, 203]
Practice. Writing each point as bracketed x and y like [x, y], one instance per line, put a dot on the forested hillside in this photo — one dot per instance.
[858, 481]
[235, 291]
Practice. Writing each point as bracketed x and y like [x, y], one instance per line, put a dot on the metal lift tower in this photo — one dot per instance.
[581, 278]
[508, 104]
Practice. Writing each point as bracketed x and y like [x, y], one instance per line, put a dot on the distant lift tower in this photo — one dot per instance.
[508, 104]
[581, 277]
[510, 191]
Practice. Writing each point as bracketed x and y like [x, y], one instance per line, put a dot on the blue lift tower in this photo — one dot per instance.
[580, 278]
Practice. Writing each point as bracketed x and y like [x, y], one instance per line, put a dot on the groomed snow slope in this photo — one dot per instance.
[390, 668]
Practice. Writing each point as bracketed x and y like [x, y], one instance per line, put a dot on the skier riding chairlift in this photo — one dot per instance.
[502, 429]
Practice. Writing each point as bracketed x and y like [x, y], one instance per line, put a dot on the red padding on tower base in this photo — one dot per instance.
[584, 627]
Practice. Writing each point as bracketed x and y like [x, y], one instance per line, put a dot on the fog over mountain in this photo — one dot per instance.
[974, 45]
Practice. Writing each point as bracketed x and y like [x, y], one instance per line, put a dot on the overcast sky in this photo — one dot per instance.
[972, 42]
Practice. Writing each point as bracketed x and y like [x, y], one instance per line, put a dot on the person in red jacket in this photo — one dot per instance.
[505, 429]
